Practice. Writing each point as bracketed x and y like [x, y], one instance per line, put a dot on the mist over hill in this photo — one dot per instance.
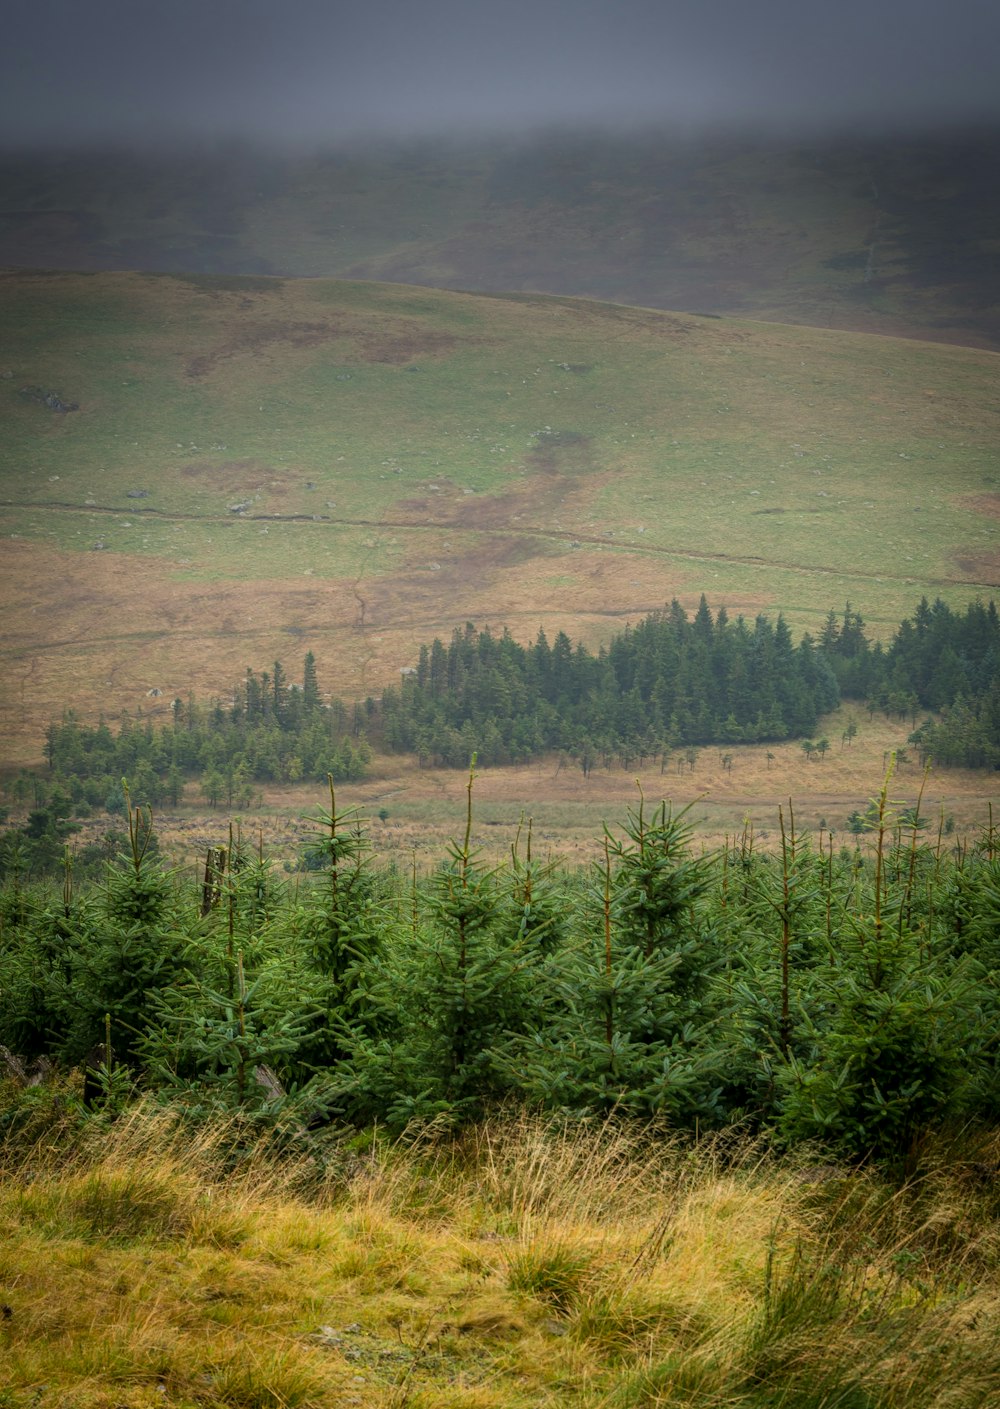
[886, 234]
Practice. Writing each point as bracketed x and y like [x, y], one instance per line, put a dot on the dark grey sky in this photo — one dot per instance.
[73, 70]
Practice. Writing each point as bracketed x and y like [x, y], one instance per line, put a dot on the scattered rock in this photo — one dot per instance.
[326, 1335]
[51, 399]
[137, 494]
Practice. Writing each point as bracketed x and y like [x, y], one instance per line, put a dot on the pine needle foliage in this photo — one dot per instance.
[445, 1001]
[843, 998]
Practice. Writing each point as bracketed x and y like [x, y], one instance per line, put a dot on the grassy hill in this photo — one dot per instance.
[885, 234]
[260, 467]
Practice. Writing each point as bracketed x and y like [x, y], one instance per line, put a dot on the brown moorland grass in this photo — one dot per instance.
[425, 807]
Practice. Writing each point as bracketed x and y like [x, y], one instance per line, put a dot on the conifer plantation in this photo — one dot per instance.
[680, 1128]
[659, 691]
[846, 997]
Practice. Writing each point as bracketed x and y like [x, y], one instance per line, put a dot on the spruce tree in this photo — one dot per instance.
[445, 1000]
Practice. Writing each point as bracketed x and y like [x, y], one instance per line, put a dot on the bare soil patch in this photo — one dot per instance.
[231, 475]
[255, 339]
[988, 505]
[981, 567]
[396, 348]
[392, 342]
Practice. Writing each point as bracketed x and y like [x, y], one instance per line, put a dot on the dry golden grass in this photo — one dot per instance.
[425, 807]
[526, 1263]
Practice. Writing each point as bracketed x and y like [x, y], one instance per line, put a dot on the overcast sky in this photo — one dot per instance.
[75, 70]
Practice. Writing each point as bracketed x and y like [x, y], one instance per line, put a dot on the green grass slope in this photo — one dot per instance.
[258, 467]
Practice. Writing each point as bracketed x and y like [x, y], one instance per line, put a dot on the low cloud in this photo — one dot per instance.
[319, 70]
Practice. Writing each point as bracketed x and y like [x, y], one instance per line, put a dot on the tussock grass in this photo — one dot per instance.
[525, 1262]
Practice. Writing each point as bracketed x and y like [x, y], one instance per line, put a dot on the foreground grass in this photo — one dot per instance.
[523, 1264]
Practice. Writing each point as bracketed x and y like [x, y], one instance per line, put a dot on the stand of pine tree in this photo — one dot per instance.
[847, 998]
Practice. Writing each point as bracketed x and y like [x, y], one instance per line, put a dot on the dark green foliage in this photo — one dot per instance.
[939, 659]
[341, 927]
[848, 998]
[218, 1046]
[673, 681]
[535, 903]
[893, 1033]
[892, 1059]
[133, 947]
[271, 732]
[445, 999]
[668, 681]
[37, 849]
[628, 1001]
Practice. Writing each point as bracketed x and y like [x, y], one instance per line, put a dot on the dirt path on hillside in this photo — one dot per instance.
[571, 536]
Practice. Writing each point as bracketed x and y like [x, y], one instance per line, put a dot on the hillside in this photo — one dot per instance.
[886, 235]
[259, 467]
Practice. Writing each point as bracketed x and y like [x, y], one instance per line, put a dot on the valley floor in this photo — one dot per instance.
[425, 807]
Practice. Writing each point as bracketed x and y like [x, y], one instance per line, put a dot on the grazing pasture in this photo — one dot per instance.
[261, 467]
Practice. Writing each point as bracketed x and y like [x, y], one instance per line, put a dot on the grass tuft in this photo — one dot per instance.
[526, 1263]
[555, 1273]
